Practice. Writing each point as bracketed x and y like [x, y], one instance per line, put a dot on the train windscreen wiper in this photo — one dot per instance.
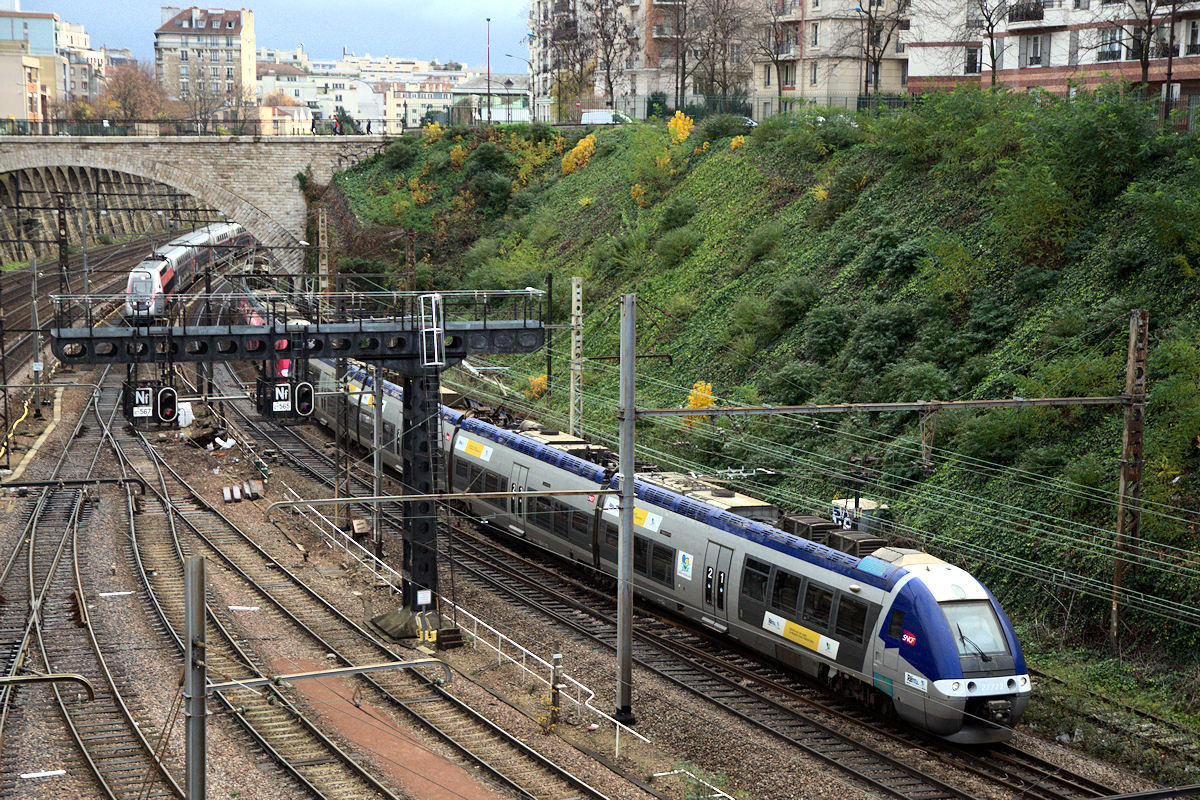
[984, 657]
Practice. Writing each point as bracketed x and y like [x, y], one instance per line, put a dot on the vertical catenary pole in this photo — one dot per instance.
[549, 330]
[195, 677]
[377, 452]
[556, 689]
[577, 357]
[1129, 512]
[37, 343]
[624, 712]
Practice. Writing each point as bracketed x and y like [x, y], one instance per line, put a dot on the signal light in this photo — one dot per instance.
[166, 405]
[303, 397]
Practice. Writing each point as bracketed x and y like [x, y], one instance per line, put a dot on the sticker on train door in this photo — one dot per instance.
[916, 682]
[683, 567]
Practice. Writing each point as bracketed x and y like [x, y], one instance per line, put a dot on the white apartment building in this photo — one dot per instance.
[1057, 44]
[322, 93]
[205, 52]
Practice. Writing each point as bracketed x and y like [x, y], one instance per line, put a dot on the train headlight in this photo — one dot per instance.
[955, 686]
[1024, 680]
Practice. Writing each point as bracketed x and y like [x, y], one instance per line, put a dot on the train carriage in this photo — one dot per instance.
[173, 267]
[897, 628]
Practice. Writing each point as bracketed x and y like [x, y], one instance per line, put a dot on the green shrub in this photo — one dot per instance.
[796, 383]
[792, 300]
[825, 331]
[723, 126]
[492, 190]
[751, 317]
[892, 255]
[761, 241]
[674, 246]
[483, 251]
[542, 232]
[911, 381]
[880, 335]
[401, 154]
[489, 157]
[996, 436]
[677, 213]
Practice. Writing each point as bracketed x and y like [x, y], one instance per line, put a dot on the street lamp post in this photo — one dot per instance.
[489, 69]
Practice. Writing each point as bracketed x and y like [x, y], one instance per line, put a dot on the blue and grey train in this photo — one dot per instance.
[895, 627]
[177, 264]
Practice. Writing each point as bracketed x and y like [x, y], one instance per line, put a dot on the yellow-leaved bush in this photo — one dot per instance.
[580, 155]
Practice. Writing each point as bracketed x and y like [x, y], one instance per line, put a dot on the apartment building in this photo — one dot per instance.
[407, 102]
[322, 93]
[206, 53]
[830, 52]
[1057, 44]
[24, 95]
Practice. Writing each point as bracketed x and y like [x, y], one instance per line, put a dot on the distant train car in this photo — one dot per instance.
[174, 266]
[253, 309]
[894, 627]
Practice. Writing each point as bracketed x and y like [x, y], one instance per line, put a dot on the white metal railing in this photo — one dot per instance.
[507, 649]
[715, 791]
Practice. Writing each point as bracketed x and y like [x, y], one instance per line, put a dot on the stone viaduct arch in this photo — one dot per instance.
[252, 180]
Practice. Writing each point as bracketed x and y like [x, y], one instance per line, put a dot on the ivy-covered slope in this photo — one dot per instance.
[979, 245]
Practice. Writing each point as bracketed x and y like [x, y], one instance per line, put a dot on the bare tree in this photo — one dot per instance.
[678, 30]
[773, 37]
[867, 34]
[721, 67]
[202, 99]
[614, 33]
[1143, 28]
[987, 18]
[131, 94]
[570, 31]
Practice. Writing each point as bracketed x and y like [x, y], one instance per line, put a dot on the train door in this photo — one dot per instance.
[717, 563]
[518, 482]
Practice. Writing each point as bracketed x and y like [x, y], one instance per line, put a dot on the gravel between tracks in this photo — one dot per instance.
[683, 729]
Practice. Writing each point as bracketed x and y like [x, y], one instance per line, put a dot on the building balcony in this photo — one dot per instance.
[1027, 12]
[663, 32]
[1161, 50]
[1109, 54]
[1193, 49]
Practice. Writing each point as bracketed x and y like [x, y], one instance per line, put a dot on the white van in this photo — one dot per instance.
[603, 116]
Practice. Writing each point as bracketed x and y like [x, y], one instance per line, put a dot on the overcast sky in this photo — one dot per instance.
[439, 29]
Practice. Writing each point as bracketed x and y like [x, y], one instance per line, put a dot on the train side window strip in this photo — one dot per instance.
[851, 618]
[755, 576]
[896, 624]
[818, 602]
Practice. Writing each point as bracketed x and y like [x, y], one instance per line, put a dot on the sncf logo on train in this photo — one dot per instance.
[908, 638]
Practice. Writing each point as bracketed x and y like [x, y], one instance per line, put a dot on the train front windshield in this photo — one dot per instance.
[975, 628]
[141, 286]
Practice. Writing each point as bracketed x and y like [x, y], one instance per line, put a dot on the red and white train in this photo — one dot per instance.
[174, 266]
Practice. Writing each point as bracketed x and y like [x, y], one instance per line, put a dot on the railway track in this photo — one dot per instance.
[503, 757]
[770, 698]
[55, 635]
[301, 749]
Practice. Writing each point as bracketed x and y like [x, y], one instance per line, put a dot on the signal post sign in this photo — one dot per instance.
[143, 402]
[281, 400]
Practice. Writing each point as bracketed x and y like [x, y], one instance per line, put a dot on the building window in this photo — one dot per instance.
[973, 61]
[183, 70]
[183, 55]
[228, 87]
[1193, 41]
[904, 73]
[815, 38]
[229, 72]
[214, 86]
[812, 74]
[1110, 45]
[183, 88]
[767, 74]
[1034, 51]
[214, 72]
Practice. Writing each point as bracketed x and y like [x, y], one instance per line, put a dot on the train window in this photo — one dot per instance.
[610, 534]
[639, 555]
[818, 601]
[581, 523]
[662, 559]
[785, 592]
[754, 579]
[491, 483]
[851, 618]
[896, 624]
[476, 484]
[462, 473]
[562, 520]
[541, 512]
[975, 628]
